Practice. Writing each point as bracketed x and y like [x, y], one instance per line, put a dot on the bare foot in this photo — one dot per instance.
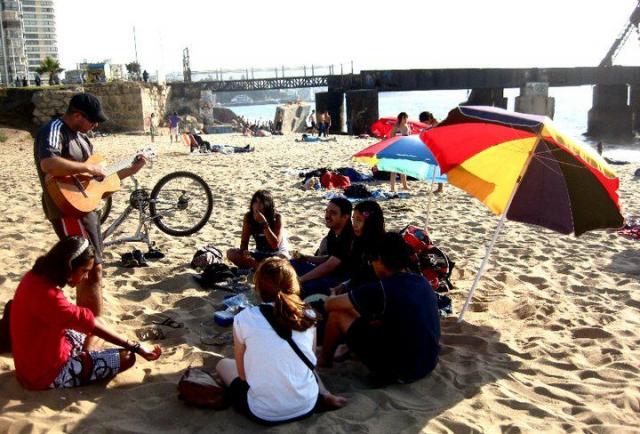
[329, 402]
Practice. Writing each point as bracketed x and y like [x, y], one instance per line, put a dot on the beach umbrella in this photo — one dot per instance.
[404, 154]
[383, 126]
[524, 169]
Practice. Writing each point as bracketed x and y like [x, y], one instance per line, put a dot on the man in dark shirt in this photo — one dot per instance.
[319, 273]
[61, 149]
[392, 325]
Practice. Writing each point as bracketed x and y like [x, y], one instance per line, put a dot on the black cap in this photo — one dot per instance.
[89, 105]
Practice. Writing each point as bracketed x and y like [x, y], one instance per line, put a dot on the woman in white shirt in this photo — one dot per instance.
[268, 381]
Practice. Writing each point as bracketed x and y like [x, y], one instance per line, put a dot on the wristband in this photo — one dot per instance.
[135, 348]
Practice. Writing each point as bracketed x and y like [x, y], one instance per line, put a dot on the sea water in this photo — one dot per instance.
[571, 107]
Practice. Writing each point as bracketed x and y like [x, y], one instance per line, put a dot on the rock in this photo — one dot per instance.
[294, 117]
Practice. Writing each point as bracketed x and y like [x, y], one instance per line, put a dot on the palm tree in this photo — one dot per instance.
[52, 67]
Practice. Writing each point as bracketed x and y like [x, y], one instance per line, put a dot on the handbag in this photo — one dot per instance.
[197, 387]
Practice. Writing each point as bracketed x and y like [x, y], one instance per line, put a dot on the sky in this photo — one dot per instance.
[372, 34]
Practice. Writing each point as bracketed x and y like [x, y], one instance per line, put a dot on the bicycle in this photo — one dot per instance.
[176, 201]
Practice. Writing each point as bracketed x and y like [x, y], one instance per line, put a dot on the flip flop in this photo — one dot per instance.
[150, 334]
[168, 322]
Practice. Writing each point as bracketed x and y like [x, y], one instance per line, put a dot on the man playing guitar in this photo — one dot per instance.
[61, 149]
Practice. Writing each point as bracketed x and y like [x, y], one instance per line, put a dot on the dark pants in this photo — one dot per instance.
[321, 285]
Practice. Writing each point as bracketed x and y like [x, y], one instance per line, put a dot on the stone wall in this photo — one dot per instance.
[294, 117]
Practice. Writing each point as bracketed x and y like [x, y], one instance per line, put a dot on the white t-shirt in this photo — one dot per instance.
[281, 385]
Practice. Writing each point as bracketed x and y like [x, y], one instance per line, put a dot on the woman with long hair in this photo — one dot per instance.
[264, 224]
[400, 128]
[368, 228]
[268, 381]
[49, 335]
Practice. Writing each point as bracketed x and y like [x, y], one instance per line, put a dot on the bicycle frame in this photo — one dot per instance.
[142, 231]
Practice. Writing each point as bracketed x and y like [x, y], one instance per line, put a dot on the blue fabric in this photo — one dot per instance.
[321, 285]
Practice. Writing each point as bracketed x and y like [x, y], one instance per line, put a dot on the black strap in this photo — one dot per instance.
[267, 311]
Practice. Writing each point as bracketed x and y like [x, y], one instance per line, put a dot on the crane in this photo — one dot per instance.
[634, 21]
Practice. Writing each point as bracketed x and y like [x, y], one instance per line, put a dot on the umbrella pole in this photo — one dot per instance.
[495, 235]
[482, 266]
[433, 178]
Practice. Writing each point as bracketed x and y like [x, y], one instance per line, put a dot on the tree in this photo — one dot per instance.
[133, 69]
[52, 67]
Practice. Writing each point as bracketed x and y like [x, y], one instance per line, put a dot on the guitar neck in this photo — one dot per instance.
[118, 166]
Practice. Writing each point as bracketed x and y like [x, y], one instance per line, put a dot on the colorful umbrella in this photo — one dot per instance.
[403, 154]
[383, 126]
[522, 168]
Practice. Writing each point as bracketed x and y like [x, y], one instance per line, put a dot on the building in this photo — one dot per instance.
[28, 32]
[13, 58]
[39, 32]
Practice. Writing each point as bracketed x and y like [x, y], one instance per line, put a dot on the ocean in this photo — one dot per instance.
[571, 107]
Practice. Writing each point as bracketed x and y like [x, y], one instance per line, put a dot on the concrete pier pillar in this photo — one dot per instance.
[487, 96]
[534, 99]
[634, 102]
[333, 101]
[611, 117]
[362, 110]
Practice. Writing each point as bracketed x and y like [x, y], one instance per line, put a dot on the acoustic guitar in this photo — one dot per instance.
[76, 195]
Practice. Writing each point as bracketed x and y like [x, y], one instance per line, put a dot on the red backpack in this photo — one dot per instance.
[334, 180]
[429, 260]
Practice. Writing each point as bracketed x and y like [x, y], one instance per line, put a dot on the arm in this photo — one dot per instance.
[314, 259]
[108, 336]
[246, 233]
[59, 166]
[321, 270]
[273, 236]
[238, 351]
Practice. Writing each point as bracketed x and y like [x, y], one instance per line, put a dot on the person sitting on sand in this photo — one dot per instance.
[330, 265]
[53, 340]
[268, 381]
[265, 225]
[392, 324]
[400, 128]
[368, 228]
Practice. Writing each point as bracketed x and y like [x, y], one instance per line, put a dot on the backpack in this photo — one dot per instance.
[205, 256]
[331, 180]
[429, 260]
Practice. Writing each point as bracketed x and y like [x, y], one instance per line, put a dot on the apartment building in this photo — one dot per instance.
[28, 36]
[39, 21]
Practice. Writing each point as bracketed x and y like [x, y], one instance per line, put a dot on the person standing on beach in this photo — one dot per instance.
[327, 123]
[311, 122]
[321, 124]
[152, 126]
[428, 119]
[400, 128]
[174, 126]
[62, 148]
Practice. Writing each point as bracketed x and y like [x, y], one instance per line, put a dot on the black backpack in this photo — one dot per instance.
[357, 191]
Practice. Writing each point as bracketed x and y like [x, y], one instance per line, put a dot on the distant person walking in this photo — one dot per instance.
[145, 76]
[428, 119]
[152, 126]
[174, 126]
[38, 80]
[400, 128]
[327, 123]
[311, 122]
[321, 124]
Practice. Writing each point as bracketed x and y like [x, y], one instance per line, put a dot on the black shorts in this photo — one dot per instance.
[370, 344]
[87, 227]
[237, 394]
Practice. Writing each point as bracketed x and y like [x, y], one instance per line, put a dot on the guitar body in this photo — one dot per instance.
[80, 194]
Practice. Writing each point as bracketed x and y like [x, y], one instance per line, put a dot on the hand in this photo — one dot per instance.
[259, 217]
[96, 170]
[337, 290]
[139, 163]
[150, 354]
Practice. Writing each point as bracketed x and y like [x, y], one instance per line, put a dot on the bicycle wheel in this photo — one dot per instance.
[181, 204]
[105, 209]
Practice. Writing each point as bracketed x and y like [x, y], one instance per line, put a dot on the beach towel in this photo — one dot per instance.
[631, 229]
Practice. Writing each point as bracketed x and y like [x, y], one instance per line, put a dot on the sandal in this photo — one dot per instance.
[128, 261]
[154, 253]
[168, 322]
[150, 334]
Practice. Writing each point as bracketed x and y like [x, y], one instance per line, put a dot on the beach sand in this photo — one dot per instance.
[551, 342]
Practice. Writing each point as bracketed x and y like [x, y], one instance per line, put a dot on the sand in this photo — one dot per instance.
[551, 343]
